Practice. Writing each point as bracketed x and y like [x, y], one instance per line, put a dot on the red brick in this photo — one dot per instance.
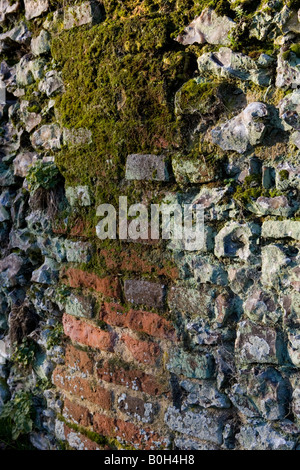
[143, 351]
[128, 433]
[76, 413]
[79, 441]
[78, 360]
[87, 334]
[137, 320]
[82, 388]
[134, 379]
[108, 286]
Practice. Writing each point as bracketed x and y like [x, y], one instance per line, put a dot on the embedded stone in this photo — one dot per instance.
[207, 28]
[244, 131]
[23, 162]
[263, 436]
[203, 424]
[274, 260]
[78, 252]
[146, 167]
[145, 293]
[203, 394]
[294, 347]
[278, 205]
[256, 344]
[77, 137]
[47, 274]
[12, 270]
[295, 382]
[195, 171]
[268, 22]
[28, 70]
[35, 8]
[51, 84]
[228, 64]
[41, 44]
[84, 13]
[80, 306]
[235, 240]
[281, 229]
[15, 37]
[48, 136]
[192, 366]
[289, 110]
[7, 7]
[262, 306]
[288, 71]
[4, 215]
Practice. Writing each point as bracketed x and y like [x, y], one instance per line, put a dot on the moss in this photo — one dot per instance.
[196, 97]
[284, 175]
[295, 48]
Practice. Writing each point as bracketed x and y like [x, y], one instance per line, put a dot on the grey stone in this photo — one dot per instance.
[203, 424]
[289, 110]
[7, 7]
[256, 344]
[12, 270]
[4, 215]
[295, 382]
[192, 366]
[195, 302]
[262, 306]
[183, 443]
[235, 240]
[48, 136]
[86, 13]
[52, 247]
[194, 171]
[41, 44]
[274, 260]
[146, 167]
[278, 205]
[23, 162]
[17, 36]
[4, 393]
[35, 8]
[267, 22]
[203, 394]
[207, 28]
[47, 273]
[228, 64]
[136, 408]
[145, 293]
[294, 347]
[281, 229]
[209, 273]
[288, 71]
[28, 70]
[264, 437]
[52, 83]
[244, 131]
[24, 240]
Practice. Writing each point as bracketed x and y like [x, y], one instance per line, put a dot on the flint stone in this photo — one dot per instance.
[204, 424]
[256, 344]
[12, 270]
[264, 437]
[23, 162]
[203, 394]
[86, 13]
[7, 7]
[289, 111]
[278, 205]
[207, 28]
[200, 366]
[146, 167]
[235, 240]
[288, 71]
[281, 229]
[273, 261]
[47, 274]
[35, 8]
[41, 44]
[229, 64]
[51, 84]
[48, 136]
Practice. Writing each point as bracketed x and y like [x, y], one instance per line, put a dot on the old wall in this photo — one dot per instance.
[145, 344]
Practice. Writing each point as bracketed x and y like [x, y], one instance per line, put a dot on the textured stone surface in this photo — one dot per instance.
[255, 344]
[244, 131]
[34, 8]
[208, 27]
[78, 15]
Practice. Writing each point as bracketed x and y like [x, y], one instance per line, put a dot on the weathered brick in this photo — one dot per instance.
[145, 293]
[108, 286]
[132, 379]
[143, 351]
[78, 360]
[146, 167]
[76, 413]
[82, 388]
[128, 433]
[137, 320]
[81, 332]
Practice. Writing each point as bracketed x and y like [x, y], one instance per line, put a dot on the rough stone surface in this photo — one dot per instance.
[34, 8]
[146, 167]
